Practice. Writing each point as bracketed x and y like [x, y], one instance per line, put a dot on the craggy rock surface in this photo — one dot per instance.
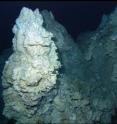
[84, 90]
[31, 71]
[99, 50]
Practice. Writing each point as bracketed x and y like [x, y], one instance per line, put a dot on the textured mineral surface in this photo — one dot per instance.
[31, 71]
[50, 79]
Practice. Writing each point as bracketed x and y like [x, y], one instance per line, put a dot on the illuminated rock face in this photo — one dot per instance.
[31, 71]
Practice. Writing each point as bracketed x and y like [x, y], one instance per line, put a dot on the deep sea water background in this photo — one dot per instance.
[76, 17]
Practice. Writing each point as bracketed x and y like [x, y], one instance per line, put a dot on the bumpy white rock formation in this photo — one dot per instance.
[32, 69]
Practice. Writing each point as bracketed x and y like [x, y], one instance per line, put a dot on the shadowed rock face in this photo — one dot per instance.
[84, 90]
[99, 50]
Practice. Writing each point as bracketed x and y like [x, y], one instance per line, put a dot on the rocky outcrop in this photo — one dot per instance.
[99, 50]
[31, 71]
[84, 76]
